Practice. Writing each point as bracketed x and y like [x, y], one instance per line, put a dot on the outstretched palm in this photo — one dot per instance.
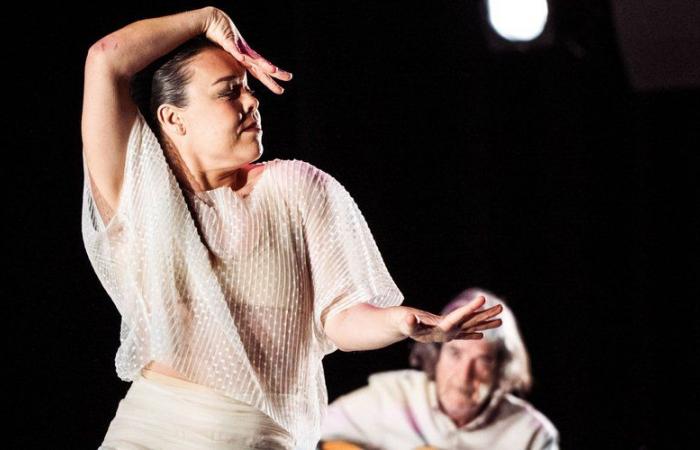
[221, 29]
[465, 322]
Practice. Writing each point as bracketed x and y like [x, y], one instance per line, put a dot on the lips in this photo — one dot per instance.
[253, 125]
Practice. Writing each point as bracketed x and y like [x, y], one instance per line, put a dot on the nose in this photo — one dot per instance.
[250, 102]
[466, 372]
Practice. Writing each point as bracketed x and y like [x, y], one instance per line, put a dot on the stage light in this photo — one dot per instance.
[518, 20]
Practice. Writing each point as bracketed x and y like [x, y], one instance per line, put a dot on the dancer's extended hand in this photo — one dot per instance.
[465, 322]
[221, 29]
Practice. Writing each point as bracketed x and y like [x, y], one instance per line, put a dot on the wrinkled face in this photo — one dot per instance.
[464, 376]
[220, 106]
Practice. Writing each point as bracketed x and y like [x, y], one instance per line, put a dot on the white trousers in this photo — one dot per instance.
[164, 412]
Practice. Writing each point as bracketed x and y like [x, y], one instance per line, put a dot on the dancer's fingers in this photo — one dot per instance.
[460, 314]
[483, 315]
[463, 335]
[281, 74]
[265, 79]
[487, 325]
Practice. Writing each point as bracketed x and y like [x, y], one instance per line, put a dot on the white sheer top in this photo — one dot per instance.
[248, 319]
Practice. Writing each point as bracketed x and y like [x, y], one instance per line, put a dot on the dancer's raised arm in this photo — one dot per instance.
[108, 110]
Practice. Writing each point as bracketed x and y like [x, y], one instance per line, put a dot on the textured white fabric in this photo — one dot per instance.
[162, 412]
[247, 319]
[400, 410]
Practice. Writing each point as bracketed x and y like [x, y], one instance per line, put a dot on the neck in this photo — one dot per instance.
[198, 180]
[235, 178]
[463, 420]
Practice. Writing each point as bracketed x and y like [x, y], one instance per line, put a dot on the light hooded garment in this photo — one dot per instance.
[248, 319]
[400, 410]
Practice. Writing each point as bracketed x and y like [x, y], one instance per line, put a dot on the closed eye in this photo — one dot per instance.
[236, 92]
[233, 93]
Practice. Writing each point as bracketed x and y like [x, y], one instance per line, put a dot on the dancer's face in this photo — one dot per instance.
[464, 377]
[209, 132]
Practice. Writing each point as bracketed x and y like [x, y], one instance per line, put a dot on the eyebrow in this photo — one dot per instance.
[228, 77]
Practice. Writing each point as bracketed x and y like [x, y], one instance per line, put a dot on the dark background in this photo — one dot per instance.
[544, 175]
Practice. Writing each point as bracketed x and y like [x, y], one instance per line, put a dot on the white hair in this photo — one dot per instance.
[512, 356]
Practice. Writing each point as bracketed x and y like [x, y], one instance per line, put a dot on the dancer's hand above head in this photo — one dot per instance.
[465, 322]
[220, 29]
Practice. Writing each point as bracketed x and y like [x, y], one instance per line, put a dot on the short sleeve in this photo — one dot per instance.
[106, 213]
[98, 215]
[346, 265]
[105, 230]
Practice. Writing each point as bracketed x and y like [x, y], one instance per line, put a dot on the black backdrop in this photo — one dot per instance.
[542, 176]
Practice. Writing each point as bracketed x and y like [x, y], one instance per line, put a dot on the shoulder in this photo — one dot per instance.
[384, 389]
[307, 184]
[535, 418]
[303, 174]
[295, 168]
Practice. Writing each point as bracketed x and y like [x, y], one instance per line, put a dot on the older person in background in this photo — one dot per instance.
[466, 395]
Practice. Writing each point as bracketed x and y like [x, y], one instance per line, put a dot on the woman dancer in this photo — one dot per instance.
[233, 278]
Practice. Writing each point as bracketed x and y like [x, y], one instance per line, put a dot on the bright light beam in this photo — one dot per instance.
[518, 20]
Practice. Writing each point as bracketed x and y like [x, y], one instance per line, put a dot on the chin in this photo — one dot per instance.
[255, 153]
[461, 414]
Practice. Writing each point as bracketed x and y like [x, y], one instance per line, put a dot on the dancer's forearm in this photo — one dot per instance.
[366, 327]
[133, 47]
